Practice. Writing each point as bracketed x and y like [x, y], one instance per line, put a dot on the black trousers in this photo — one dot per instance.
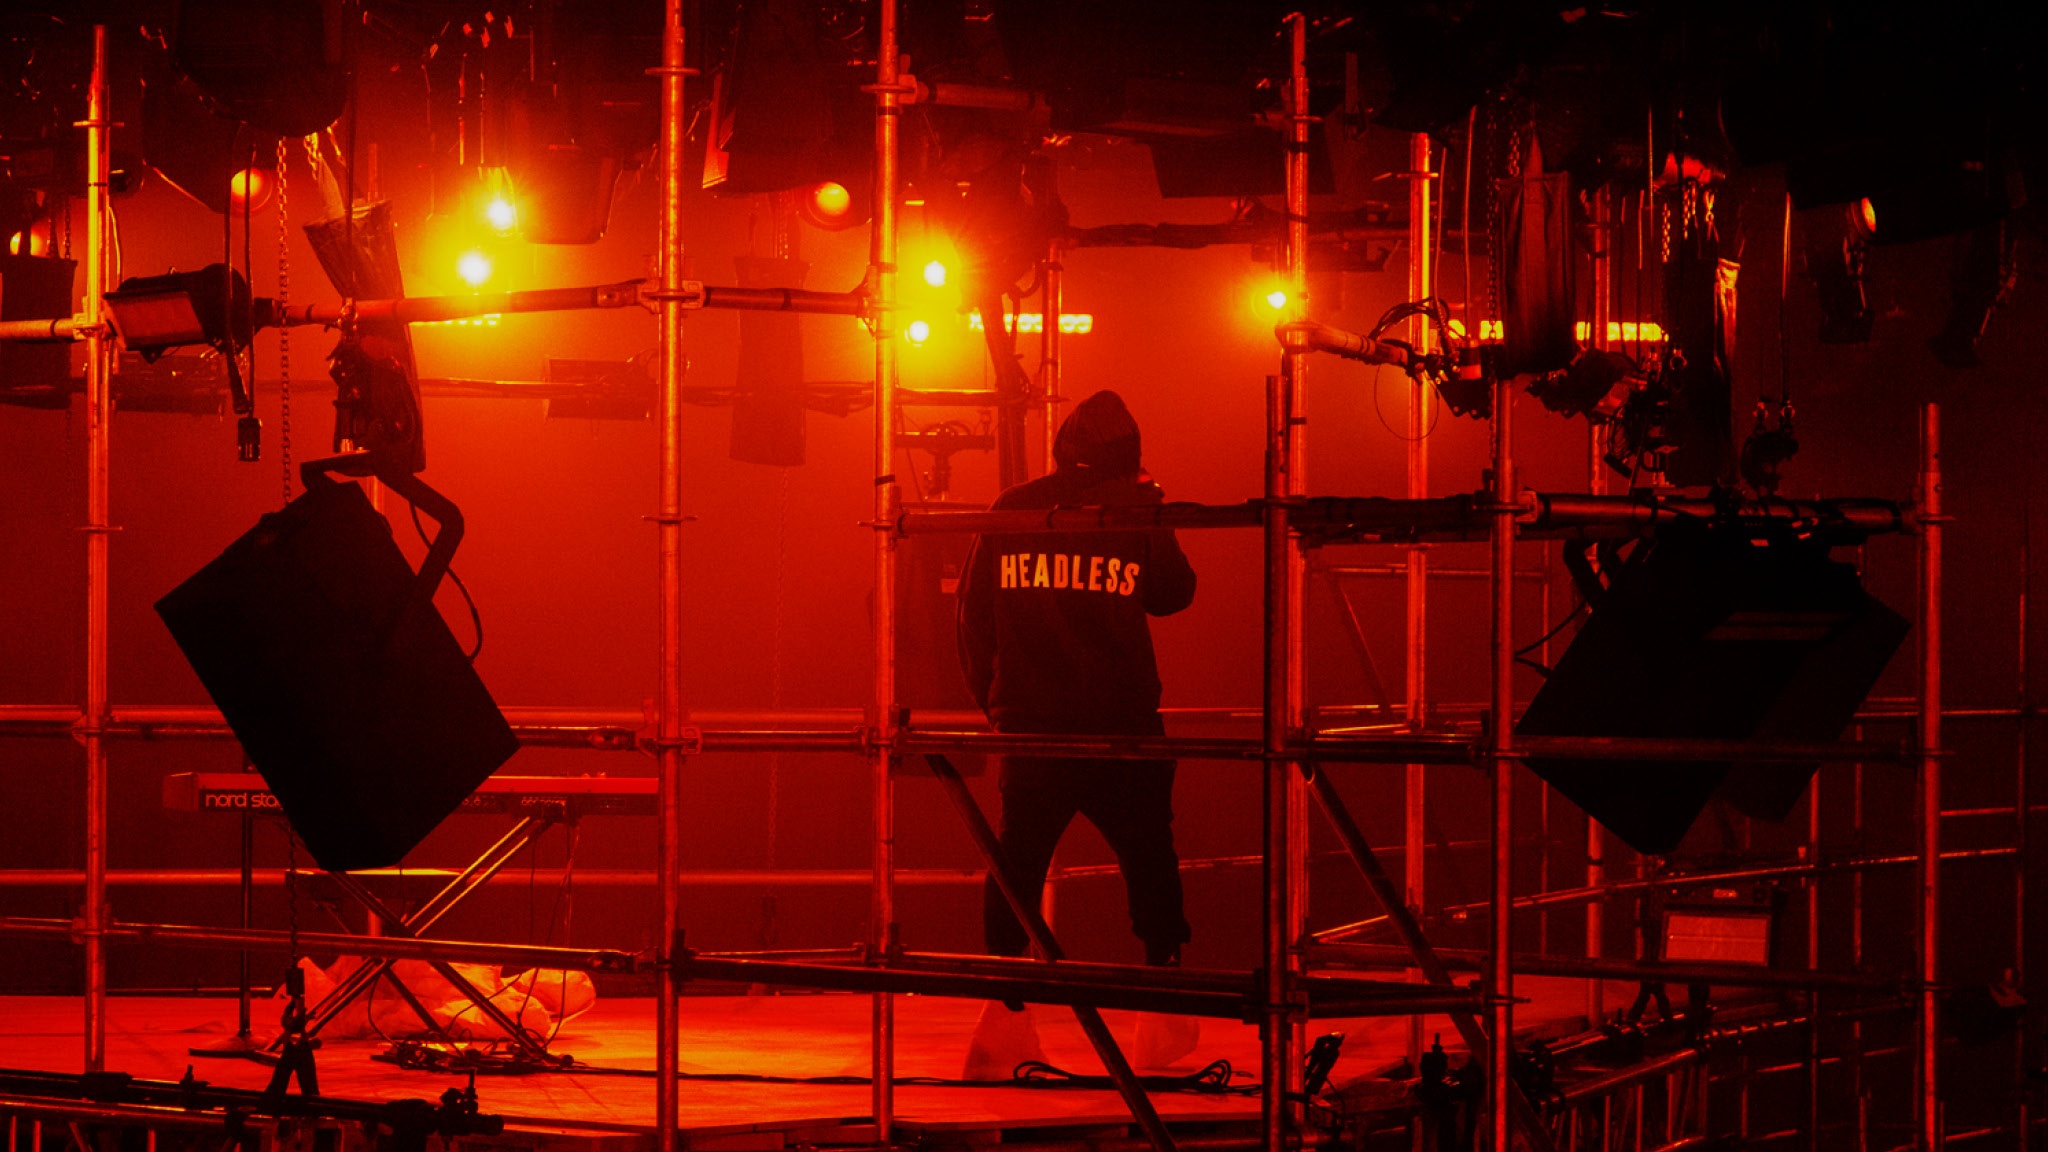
[1130, 802]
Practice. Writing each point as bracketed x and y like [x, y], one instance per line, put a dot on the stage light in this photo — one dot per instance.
[1276, 299]
[474, 268]
[917, 332]
[249, 189]
[829, 205]
[1071, 323]
[935, 274]
[502, 215]
[1865, 216]
[1618, 331]
[154, 313]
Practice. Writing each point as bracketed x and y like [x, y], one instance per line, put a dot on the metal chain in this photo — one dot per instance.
[284, 334]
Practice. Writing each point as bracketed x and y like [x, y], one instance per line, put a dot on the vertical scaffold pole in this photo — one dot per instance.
[1296, 370]
[1415, 792]
[1926, 1072]
[669, 524]
[882, 283]
[2022, 1109]
[1500, 984]
[1050, 335]
[99, 412]
[1596, 484]
[1275, 1023]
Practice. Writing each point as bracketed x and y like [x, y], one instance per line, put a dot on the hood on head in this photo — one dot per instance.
[1100, 434]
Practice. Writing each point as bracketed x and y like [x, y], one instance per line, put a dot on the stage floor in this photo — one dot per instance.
[789, 1035]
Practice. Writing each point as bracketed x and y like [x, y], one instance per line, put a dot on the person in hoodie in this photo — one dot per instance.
[1054, 638]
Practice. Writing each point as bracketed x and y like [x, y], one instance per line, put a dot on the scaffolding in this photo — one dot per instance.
[1282, 993]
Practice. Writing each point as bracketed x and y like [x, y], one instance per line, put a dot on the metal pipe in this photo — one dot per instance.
[55, 329]
[1050, 335]
[1596, 485]
[1415, 564]
[1371, 749]
[1622, 887]
[391, 947]
[1244, 985]
[1276, 955]
[1729, 975]
[1526, 575]
[1927, 1070]
[1294, 370]
[670, 717]
[1415, 947]
[1500, 977]
[990, 96]
[617, 729]
[2022, 1105]
[99, 414]
[1367, 747]
[1451, 518]
[584, 877]
[1249, 1142]
[1147, 990]
[889, 92]
[245, 879]
[1630, 1076]
[686, 294]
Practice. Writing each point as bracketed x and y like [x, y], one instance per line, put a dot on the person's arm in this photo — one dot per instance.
[975, 622]
[1169, 578]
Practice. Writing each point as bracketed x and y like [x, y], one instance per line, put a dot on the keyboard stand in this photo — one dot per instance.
[444, 901]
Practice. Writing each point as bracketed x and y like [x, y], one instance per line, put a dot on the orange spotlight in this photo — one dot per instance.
[829, 205]
[1276, 299]
[1865, 214]
[250, 188]
[502, 215]
[31, 241]
[935, 274]
[917, 332]
[474, 268]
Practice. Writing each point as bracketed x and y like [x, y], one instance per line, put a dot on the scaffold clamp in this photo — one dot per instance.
[689, 741]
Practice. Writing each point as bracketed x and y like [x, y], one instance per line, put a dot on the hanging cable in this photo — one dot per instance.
[476, 619]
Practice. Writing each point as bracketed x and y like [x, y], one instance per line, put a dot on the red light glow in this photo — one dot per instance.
[831, 201]
[474, 268]
[250, 189]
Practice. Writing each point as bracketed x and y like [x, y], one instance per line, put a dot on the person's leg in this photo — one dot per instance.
[1038, 803]
[1131, 803]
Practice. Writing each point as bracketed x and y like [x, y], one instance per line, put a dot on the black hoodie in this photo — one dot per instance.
[1053, 636]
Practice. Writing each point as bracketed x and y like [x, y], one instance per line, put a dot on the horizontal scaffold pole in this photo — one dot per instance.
[623, 294]
[786, 733]
[386, 947]
[1444, 518]
[1100, 986]
[1671, 972]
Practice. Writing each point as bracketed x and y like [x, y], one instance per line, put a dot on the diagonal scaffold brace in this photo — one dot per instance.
[1046, 948]
[1404, 922]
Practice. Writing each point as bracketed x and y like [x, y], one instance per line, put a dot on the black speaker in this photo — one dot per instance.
[326, 655]
[1711, 632]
